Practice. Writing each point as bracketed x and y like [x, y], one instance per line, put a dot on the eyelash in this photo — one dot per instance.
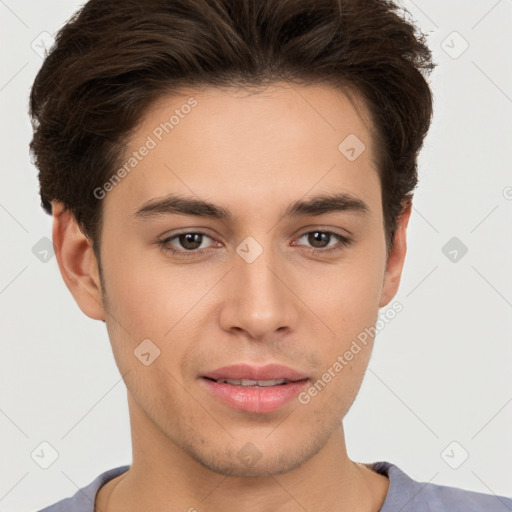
[343, 242]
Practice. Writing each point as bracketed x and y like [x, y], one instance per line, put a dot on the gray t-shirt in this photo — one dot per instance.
[404, 495]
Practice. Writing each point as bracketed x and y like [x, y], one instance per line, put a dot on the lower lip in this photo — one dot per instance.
[255, 399]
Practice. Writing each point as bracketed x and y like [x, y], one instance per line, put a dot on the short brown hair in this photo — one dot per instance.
[114, 58]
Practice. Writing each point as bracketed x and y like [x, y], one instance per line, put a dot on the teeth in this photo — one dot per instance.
[252, 383]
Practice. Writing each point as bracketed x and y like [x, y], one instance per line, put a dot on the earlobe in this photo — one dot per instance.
[77, 262]
[396, 258]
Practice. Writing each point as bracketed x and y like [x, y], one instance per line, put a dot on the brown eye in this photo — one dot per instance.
[190, 241]
[320, 240]
[184, 244]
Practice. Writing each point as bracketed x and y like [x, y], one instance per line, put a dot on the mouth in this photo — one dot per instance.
[255, 389]
[250, 383]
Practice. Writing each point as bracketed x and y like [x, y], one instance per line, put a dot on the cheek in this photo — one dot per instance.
[350, 308]
[149, 294]
[153, 300]
[352, 292]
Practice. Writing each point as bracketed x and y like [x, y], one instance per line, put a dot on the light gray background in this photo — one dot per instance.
[440, 371]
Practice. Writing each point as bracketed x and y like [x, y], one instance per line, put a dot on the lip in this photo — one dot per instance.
[247, 371]
[255, 399]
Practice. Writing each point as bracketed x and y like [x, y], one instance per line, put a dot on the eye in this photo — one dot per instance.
[320, 241]
[191, 241]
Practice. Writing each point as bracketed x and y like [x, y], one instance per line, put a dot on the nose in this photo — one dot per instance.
[259, 297]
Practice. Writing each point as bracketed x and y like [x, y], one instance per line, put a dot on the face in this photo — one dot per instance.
[252, 281]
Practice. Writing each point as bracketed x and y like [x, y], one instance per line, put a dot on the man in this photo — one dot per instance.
[230, 183]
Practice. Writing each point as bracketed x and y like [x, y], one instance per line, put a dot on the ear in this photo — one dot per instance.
[77, 262]
[396, 258]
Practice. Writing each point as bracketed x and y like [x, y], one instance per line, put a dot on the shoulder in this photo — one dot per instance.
[83, 499]
[409, 495]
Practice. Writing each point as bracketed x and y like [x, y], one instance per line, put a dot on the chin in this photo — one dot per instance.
[251, 461]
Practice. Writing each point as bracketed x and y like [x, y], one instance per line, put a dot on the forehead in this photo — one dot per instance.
[238, 112]
[247, 144]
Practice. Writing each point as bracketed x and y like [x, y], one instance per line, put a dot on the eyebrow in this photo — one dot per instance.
[174, 204]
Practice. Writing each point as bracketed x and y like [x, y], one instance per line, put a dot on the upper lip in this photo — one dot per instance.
[247, 371]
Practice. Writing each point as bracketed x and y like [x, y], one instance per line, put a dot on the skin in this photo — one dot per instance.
[253, 155]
